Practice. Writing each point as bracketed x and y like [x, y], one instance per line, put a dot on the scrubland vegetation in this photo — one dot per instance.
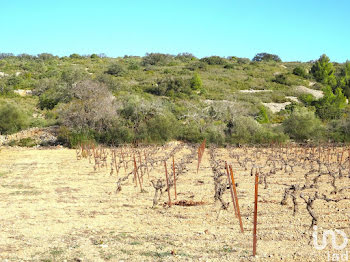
[161, 97]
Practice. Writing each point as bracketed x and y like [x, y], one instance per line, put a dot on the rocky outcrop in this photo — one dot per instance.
[42, 136]
[23, 92]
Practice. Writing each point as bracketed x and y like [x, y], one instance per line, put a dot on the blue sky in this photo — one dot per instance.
[299, 30]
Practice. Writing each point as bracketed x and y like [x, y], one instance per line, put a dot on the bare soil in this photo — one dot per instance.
[54, 207]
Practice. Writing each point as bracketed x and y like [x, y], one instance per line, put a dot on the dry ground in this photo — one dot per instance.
[54, 207]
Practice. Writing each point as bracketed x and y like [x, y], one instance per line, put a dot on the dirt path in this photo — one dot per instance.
[54, 207]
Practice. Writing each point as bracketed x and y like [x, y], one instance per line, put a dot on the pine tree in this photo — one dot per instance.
[323, 71]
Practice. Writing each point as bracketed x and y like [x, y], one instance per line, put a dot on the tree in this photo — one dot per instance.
[330, 106]
[266, 57]
[302, 125]
[344, 81]
[6, 55]
[323, 71]
[91, 109]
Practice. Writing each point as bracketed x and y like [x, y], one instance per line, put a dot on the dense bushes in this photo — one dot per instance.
[185, 57]
[303, 125]
[171, 86]
[161, 97]
[52, 96]
[11, 119]
[281, 79]
[92, 107]
[339, 130]
[266, 57]
[344, 79]
[331, 106]
[116, 70]
[156, 59]
[300, 71]
[214, 60]
[246, 130]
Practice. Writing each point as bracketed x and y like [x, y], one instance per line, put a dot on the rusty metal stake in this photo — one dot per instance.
[255, 212]
[231, 189]
[199, 159]
[236, 198]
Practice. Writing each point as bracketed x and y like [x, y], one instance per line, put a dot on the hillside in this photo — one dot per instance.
[159, 97]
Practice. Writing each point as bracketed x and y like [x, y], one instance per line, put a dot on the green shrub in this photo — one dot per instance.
[190, 132]
[344, 79]
[172, 87]
[116, 70]
[198, 65]
[266, 57]
[27, 142]
[281, 79]
[243, 61]
[72, 75]
[6, 90]
[133, 66]
[229, 66]
[72, 138]
[245, 130]
[307, 99]
[339, 130]
[115, 135]
[303, 125]
[330, 106]
[300, 71]
[12, 143]
[11, 119]
[196, 82]
[215, 134]
[156, 59]
[214, 60]
[75, 56]
[185, 57]
[263, 117]
[161, 128]
[52, 96]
